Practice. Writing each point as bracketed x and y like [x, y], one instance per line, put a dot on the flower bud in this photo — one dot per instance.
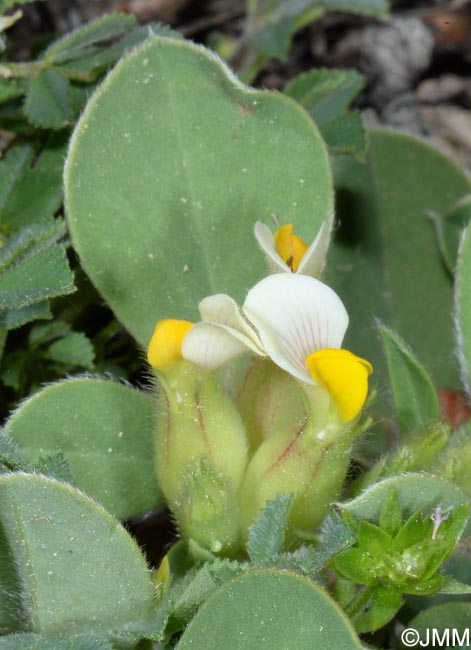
[311, 462]
[201, 456]
[270, 401]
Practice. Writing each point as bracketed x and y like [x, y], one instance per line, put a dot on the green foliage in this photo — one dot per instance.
[326, 95]
[453, 463]
[33, 269]
[414, 491]
[11, 458]
[31, 641]
[267, 533]
[448, 616]
[9, 88]
[91, 580]
[216, 185]
[194, 589]
[30, 185]
[74, 349]
[420, 451]
[336, 535]
[397, 557]
[170, 165]
[7, 4]
[47, 102]
[385, 239]
[105, 432]
[269, 608]
[53, 86]
[54, 348]
[16, 317]
[89, 38]
[449, 228]
[273, 23]
[346, 135]
[463, 305]
[415, 397]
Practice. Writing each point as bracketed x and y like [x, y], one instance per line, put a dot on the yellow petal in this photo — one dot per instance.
[344, 375]
[289, 247]
[165, 347]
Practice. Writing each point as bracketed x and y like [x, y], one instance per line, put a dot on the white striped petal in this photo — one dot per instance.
[209, 345]
[223, 310]
[295, 315]
[222, 335]
[314, 258]
[266, 242]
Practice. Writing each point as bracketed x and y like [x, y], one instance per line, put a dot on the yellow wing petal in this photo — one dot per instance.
[344, 375]
[165, 347]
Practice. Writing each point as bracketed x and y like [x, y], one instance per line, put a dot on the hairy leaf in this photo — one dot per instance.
[325, 94]
[273, 609]
[208, 160]
[47, 102]
[104, 429]
[87, 39]
[73, 349]
[77, 569]
[267, 533]
[415, 397]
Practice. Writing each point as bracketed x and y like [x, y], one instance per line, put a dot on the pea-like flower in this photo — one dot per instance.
[298, 322]
[285, 252]
[289, 320]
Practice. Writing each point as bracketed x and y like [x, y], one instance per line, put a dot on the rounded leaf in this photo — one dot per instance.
[76, 569]
[273, 609]
[104, 430]
[170, 166]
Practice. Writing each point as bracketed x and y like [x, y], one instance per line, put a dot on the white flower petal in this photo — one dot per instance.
[223, 310]
[209, 345]
[295, 315]
[314, 258]
[266, 241]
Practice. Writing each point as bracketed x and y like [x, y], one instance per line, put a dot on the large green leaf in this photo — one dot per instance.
[104, 430]
[385, 262]
[272, 609]
[170, 166]
[67, 565]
